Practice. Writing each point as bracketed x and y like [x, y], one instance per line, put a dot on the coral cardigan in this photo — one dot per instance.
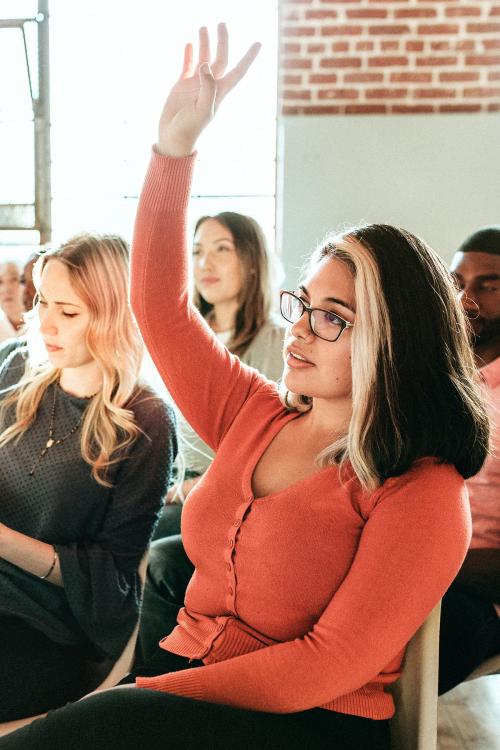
[306, 597]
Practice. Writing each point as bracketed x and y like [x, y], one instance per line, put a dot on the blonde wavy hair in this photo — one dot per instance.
[98, 268]
[415, 387]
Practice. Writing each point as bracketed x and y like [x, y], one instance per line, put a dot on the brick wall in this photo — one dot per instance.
[389, 56]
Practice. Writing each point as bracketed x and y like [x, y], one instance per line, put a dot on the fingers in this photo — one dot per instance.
[220, 62]
[208, 90]
[204, 56]
[187, 66]
[236, 74]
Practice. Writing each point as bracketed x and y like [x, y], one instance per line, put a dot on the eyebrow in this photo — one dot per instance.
[220, 239]
[58, 302]
[482, 277]
[335, 300]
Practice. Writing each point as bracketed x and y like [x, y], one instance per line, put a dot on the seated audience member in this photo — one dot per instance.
[85, 456]
[328, 502]
[11, 300]
[29, 290]
[470, 618]
[233, 292]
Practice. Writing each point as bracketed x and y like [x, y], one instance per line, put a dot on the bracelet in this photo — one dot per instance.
[47, 574]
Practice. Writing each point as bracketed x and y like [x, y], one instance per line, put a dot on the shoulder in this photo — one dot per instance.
[273, 330]
[427, 481]
[152, 413]
[13, 358]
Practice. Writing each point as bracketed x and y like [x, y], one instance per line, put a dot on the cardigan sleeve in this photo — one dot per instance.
[206, 381]
[100, 576]
[410, 550]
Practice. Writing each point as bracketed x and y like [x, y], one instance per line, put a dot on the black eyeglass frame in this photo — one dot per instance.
[309, 311]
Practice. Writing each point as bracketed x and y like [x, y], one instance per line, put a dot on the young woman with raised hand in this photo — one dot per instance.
[334, 515]
[85, 457]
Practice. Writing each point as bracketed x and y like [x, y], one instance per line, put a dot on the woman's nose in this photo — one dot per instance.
[301, 329]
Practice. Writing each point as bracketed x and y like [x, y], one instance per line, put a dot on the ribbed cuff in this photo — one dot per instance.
[184, 683]
[167, 187]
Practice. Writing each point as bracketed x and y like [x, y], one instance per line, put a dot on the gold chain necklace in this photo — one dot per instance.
[52, 441]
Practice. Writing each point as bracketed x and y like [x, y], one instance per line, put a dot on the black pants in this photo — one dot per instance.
[169, 572]
[37, 674]
[135, 718]
[470, 633]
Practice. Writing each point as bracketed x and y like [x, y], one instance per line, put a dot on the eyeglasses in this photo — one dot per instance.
[325, 324]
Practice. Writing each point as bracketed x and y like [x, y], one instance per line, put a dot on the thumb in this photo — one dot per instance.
[208, 90]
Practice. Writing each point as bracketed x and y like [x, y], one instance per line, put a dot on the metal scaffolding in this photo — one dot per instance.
[37, 215]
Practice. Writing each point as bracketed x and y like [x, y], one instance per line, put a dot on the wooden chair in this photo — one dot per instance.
[414, 725]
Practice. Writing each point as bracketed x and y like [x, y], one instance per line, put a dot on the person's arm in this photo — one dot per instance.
[411, 548]
[208, 384]
[481, 573]
[102, 585]
[35, 557]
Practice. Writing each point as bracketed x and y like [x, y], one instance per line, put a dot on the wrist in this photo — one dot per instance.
[174, 150]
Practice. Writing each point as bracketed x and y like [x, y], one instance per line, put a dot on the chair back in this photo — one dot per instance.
[414, 725]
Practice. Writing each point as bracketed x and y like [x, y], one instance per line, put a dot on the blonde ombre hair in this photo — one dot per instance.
[414, 382]
[98, 269]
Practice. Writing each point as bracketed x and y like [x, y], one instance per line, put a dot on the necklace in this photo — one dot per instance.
[52, 441]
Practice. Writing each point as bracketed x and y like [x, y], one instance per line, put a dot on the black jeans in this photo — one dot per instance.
[169, 572]
[132, 719]
[469, 634]
[37, 674]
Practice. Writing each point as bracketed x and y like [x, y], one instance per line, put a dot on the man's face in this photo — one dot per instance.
[478, 276]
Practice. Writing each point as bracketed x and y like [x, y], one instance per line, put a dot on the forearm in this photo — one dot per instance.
[30, 554]
[481, 573]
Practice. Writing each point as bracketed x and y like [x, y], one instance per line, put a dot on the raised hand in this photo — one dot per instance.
[195, 97]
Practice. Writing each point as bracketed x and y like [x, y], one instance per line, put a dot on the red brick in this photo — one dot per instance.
[289, 80]
[291, 15]
[315, 48]
[323, 78]
[339, 47]
[363, 77]
[387, 61]
[338, 94]
[411, 78]
[389, 29]
[341, 62]
[321, 109]
[483, 28]
[482, 60]
[341, 30]
[415, 13]
[364, 46]
[296, 94]
[319, 14]
[494, 75]
[495, 11]
[460, 77]
[367, 13]
[491, 43]
[478, 92]
[412, 109]
[433, 60]
[366, 109]
[450, 108]
[386, 46]
[386, 93]
[299, 2]
[299, 63]
[438, 28]
[461, 10]
[298, 31]
[494, 107]
[436, 93]
[291, 48]
[453, 45]
[414, 46]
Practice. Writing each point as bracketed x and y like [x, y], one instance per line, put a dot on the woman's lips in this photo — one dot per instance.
[297, 361]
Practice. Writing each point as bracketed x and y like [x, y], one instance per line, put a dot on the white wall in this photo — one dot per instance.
[437, 176]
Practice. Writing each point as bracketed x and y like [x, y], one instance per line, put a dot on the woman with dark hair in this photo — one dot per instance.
[334, 515]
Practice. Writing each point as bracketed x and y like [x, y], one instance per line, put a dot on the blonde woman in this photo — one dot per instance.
[85, 456]
[333, 517]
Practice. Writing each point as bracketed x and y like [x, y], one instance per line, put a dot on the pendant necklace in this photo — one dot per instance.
[52, 441]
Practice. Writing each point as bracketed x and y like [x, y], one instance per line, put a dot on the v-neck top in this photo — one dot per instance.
[306, 597]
